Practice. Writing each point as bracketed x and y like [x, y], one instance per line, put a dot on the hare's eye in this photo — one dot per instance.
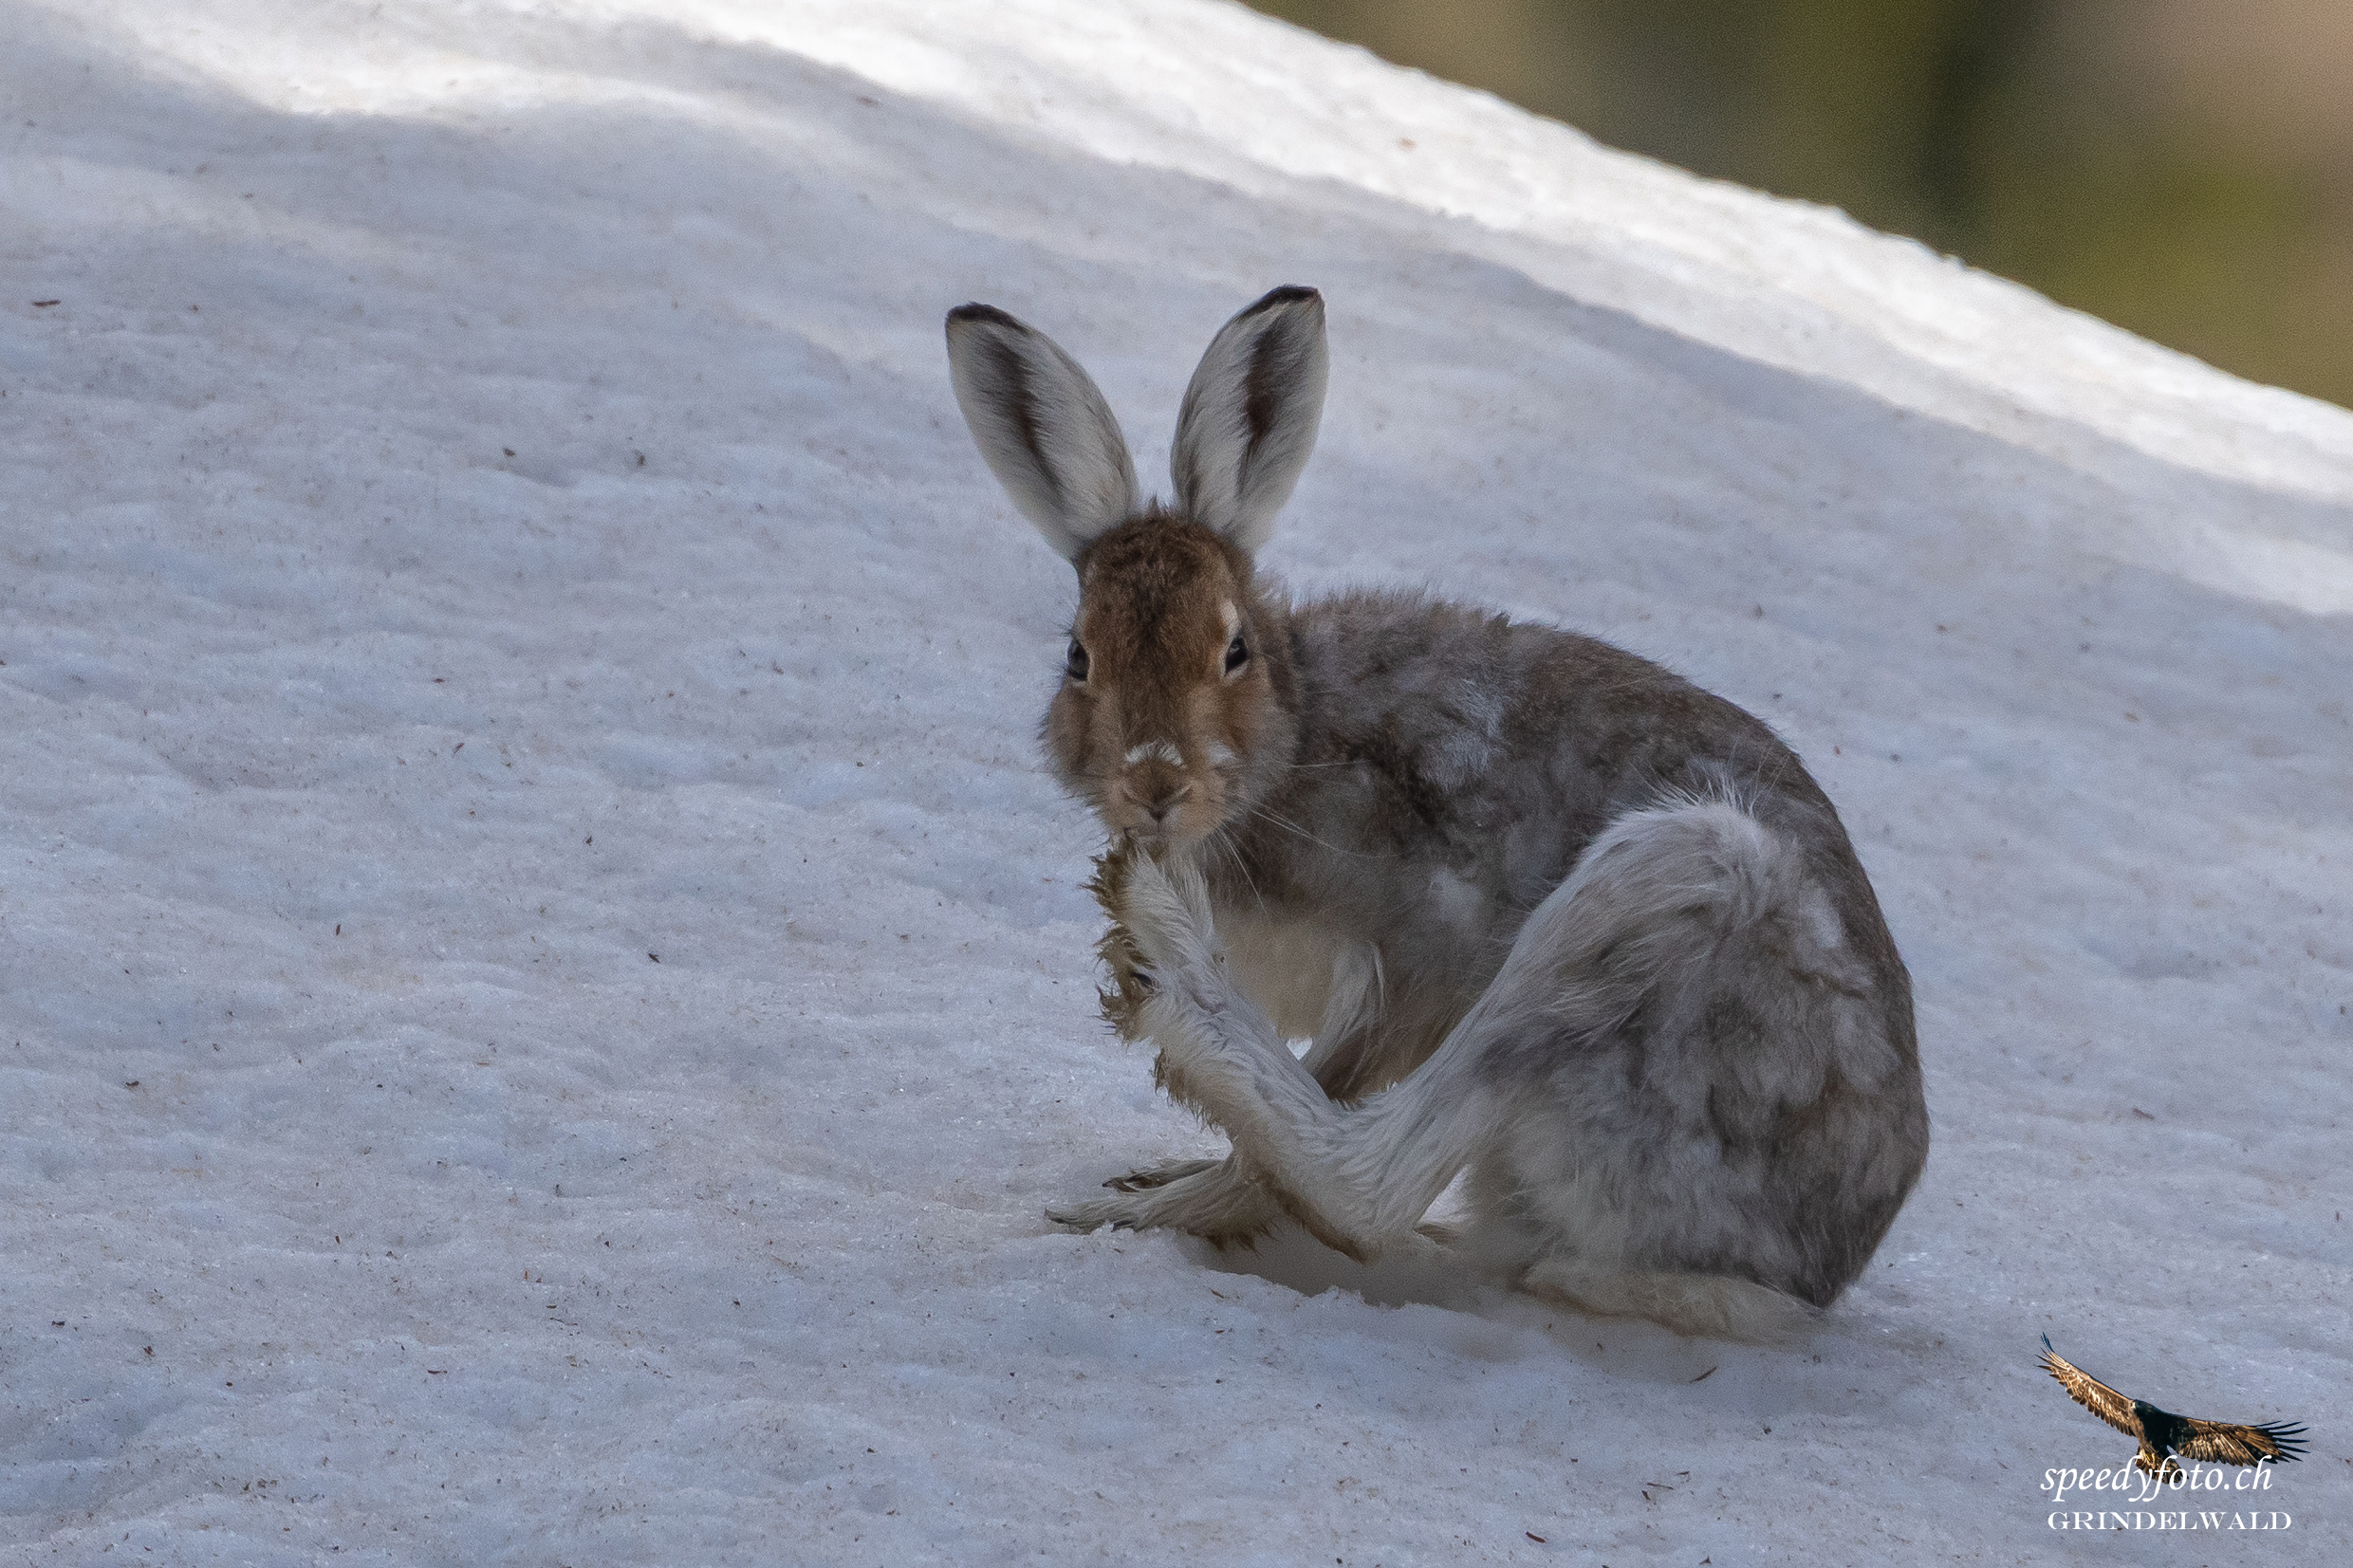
[1237, 654]
[1077, 664]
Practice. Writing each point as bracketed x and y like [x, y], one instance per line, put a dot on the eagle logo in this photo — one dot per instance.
[2163, 1434]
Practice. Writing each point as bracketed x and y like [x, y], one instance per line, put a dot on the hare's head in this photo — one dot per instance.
[1178, 703]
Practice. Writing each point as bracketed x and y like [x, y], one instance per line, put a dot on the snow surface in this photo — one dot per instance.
[545, 991]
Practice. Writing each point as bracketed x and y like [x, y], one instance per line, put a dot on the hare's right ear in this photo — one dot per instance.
[1046, 433]
[1248, 418]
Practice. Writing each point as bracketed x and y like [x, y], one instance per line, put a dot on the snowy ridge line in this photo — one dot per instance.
[1790, 283]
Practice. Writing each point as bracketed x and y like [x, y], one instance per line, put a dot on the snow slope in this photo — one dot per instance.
[545, 989]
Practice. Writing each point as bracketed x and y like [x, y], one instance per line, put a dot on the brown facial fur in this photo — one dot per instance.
[1160, 599]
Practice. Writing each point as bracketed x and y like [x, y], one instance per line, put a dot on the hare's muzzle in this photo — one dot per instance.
[1153, 793]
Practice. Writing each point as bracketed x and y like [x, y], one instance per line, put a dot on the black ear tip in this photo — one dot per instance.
[969, 315]
[1288, 295]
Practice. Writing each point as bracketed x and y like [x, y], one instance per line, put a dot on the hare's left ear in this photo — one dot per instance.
[1043, 427]
[1248, 418]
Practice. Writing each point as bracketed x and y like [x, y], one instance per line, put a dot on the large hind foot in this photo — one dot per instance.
[1212, 1199]
[1711, 1307]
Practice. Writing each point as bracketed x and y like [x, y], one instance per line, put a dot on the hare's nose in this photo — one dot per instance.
[1158, 790]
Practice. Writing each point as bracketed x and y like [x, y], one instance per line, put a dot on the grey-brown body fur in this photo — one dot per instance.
[1450, 769]
[1546, 912]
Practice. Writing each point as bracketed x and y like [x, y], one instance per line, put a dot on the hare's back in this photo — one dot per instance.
[1456, 727]
[1452, 764]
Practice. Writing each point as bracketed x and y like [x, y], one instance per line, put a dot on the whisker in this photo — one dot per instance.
[1289, 826]
[1223, 838]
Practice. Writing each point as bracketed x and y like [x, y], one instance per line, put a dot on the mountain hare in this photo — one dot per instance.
[1547, 910]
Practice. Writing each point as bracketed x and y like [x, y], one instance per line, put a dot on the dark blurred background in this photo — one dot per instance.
[2182, 168]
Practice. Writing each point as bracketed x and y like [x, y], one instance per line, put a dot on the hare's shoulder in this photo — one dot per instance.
[1442, 729]
[1413, 666]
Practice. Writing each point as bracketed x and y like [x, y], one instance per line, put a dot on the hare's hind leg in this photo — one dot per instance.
[1224, 1201]
[1359, 1179]
[1674, 915]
